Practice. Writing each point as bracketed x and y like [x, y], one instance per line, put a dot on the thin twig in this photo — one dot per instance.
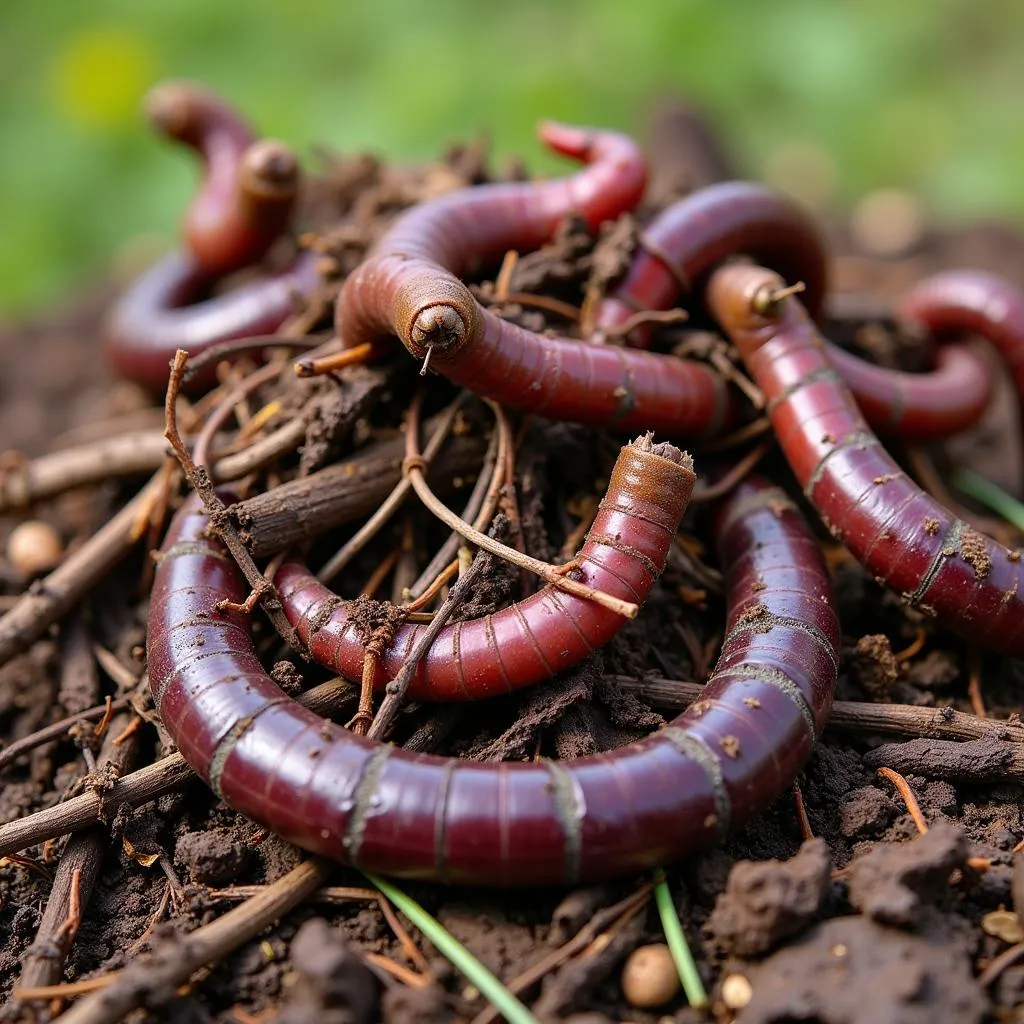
[396, 689]
[550, 574]
[55, 731]
[206, 945]
[904, 790]
[392, 502]
[216, 510]
[734, 476]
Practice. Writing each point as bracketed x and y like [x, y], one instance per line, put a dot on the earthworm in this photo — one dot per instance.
[169, 307]
[957, 302]
[381, 808]
[689, 238]
[623, 555]
[409, 287]
[240, 210]
[902, 536]
[246, 199]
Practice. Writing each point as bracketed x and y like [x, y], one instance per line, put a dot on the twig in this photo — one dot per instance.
[414, 467]
[735, 474]
[55, 595]
[43, 962]
[55, 731]
[391, 503]
[206, 945]
[138, 787]
[216, 510]
[479, 510]
[396, 689]
[801, 813]
[904, 790]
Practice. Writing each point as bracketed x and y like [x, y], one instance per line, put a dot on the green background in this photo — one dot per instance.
[917, 94]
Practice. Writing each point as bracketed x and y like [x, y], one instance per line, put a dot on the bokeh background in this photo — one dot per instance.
[834, 99]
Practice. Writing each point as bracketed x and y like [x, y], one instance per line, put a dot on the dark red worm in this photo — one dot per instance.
[957, 302]
[410, 287]
[902, 536]
[170, 307]
[624, 554]
[691, 237]
[242, 207]
[713, 768]
[248, 193]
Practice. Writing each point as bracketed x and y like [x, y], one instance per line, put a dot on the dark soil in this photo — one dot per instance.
[868, 922]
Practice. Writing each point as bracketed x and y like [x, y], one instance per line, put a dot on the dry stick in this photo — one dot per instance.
[139, 452]
[55, 595]
[165, 971]
[397, 687]
[216, 510]
[79, 867]
[296, 512]
[391, 503]
[282, 441]
[139, 787]
[413, 467]
[479, 510]
[851, 716]
[55, 731]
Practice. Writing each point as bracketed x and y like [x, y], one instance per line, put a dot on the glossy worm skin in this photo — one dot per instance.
[688, 239]
[410, 287]
[623, 555]
[248, 193]
[713, 768]
[902, 536]
[169, 307]
[958, 302]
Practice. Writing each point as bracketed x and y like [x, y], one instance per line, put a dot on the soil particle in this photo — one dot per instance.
[865, 811]
[576, 909]
[415, 1006]
[936, 670]
[894, 881]
[767, 901]
[873, 666]
[985, 758]
[333, 986]
[214, 856]
[851, 970]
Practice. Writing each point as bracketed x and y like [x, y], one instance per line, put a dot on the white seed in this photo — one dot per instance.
[736, 992]
[650, 977]
[34, 547]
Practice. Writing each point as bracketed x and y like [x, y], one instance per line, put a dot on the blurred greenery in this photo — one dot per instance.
[915, 94]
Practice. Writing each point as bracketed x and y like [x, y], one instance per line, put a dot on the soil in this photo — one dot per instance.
[870, 921]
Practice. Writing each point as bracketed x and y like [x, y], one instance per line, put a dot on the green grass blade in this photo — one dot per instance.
[688, 974]
[991, 495]
[492, 989]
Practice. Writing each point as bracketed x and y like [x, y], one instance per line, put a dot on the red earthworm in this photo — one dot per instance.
[902, 536]
[246, 199]
[384, 809]
[958, 302]
[623, 555]
[688, 239]
[409, 287]
[168, 308]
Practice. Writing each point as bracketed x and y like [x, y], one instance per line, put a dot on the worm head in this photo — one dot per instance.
[747, 301]
[437, 315]
[269, 170]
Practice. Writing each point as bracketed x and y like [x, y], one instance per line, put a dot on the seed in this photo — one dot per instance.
[34, 547]
[649, 977]
[736, 992]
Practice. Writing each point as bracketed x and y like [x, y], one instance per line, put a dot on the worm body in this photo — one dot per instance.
[902, 536]
[688, 239]
[170, 307]
[959, 302]
[410, 287]
[364, 803]
[623, 555]
[691, 237]
[246, 198]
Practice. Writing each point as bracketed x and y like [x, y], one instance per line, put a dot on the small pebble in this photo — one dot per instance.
[649, 977]
[34, 547]
[736, 992]
[1003, 924]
